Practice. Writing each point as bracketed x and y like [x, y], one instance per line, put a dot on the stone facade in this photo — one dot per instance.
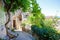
[16, 22]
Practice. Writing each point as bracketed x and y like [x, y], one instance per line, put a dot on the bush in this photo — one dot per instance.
[45, 33]
[12, 30]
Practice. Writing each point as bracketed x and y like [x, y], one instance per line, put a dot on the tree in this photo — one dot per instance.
[25, 5]
[13, 5]
[37, 17]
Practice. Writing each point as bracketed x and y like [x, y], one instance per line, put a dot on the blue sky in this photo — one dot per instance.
[50, 7]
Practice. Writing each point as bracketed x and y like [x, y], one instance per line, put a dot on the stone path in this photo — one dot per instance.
[21, 35]
[2, 31]
[24, 36]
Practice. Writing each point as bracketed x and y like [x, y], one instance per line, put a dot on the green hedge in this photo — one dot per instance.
[45, 33]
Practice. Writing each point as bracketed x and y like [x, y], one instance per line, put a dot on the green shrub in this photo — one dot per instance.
[23, 24]
[12, 30]
[45, 33]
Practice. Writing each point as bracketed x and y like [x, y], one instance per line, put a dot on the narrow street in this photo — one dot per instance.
[21, 35]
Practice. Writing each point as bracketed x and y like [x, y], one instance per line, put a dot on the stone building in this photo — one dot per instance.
[17, 19]
[16, 22]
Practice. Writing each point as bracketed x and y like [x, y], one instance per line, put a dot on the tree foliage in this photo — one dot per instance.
[26, 5]
[37, 17]
[13, 5]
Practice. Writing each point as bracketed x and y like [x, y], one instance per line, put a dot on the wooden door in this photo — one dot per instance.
[14, 24]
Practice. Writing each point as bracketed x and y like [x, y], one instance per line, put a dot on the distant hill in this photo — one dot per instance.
[48, 17]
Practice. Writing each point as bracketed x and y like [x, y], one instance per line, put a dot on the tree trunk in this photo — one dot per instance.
[7, 21]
